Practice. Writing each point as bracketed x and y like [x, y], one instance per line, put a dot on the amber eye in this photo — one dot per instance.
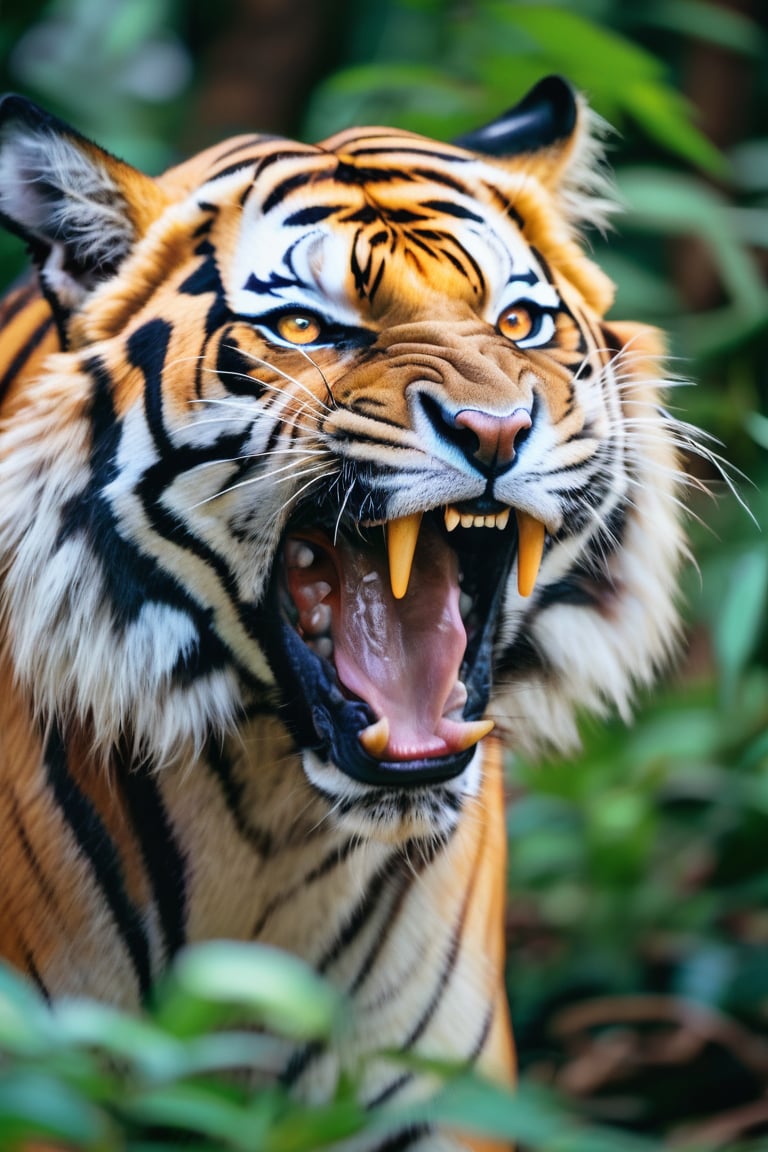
[516, 322]
[299, 327]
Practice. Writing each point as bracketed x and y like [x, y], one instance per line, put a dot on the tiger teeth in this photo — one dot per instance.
[472, 733]
[402, 535]
[467, 520]
[452, 519]
[375, 738]
[530, 549]
[464, 734]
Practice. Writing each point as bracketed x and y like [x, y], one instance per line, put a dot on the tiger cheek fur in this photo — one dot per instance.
[315, 463]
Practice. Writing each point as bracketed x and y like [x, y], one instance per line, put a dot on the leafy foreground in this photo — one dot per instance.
[79, 1074]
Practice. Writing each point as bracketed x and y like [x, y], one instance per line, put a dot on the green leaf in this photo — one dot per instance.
[145, 1048]
[757, 426]
[592, 55]
[725, 27]
[37, 1104]
[222, 980]
[676, 204]
[665, 116]
[738, 625]
[203, 1111]
[529, 1115]
[306, 1129]
[25, 1021]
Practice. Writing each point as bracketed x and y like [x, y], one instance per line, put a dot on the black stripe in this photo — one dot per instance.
[237, 166]
[406, 150]
[420, 861]
[147, 348]
[33, 861]
[332, 860]
[25, 351]
[449, 208]
[364, 909]
[34, 973]
[164, 863]
[95, 843]
[404, 1140]
[391, 1090]
[483, 1035]
[233, 792]
[311, 215]
[128, 573]
[252, 142]
[17, 299]
[522, 656]
[300, 1061]
[448, 965]
[506, 205]
[281, 190]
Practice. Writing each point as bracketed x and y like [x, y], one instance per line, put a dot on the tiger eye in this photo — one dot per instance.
[299, 328]
[516, 322]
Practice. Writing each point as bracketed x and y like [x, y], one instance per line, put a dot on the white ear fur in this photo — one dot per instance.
[65, 197]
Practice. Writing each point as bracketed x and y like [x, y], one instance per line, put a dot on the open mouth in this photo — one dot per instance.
[388, 630]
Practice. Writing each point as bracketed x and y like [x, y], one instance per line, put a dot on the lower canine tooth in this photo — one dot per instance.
[402, 535]
[530, 549]
[375, 737]
[473, 732]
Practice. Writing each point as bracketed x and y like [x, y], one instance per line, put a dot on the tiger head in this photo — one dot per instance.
[339, 432]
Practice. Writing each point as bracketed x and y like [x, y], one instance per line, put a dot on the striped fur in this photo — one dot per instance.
[176, 765]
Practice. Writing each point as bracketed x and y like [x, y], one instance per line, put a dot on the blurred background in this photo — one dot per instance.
[638, 872]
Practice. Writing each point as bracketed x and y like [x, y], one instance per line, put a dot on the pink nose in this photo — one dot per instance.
[496, 435]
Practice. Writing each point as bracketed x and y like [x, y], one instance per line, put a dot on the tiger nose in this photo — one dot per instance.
[495, 438]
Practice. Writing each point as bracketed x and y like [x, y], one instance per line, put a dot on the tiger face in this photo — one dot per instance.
[338, 433]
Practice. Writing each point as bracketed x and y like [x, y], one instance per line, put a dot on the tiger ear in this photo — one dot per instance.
[79, 209]
[553, 135]
[543, 121]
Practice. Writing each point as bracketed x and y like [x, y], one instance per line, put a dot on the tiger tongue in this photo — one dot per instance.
[401, 656]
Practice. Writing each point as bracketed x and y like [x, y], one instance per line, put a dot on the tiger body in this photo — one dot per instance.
[216, 717]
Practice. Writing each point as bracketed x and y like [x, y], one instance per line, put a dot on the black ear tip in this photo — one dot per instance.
[25, 112]
[13, 106]
[546, 114]
[558, 96]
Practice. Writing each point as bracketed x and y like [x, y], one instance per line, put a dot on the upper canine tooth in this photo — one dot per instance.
[402, 535]
[452, 518]
[530, 548]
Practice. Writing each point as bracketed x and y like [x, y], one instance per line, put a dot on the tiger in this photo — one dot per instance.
[326, 482]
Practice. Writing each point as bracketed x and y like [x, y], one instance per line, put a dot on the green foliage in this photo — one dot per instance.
[92, 1077]
[489, 54]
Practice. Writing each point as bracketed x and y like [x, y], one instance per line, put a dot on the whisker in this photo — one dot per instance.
[323, 377]
[286, 376]
[252, 480]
